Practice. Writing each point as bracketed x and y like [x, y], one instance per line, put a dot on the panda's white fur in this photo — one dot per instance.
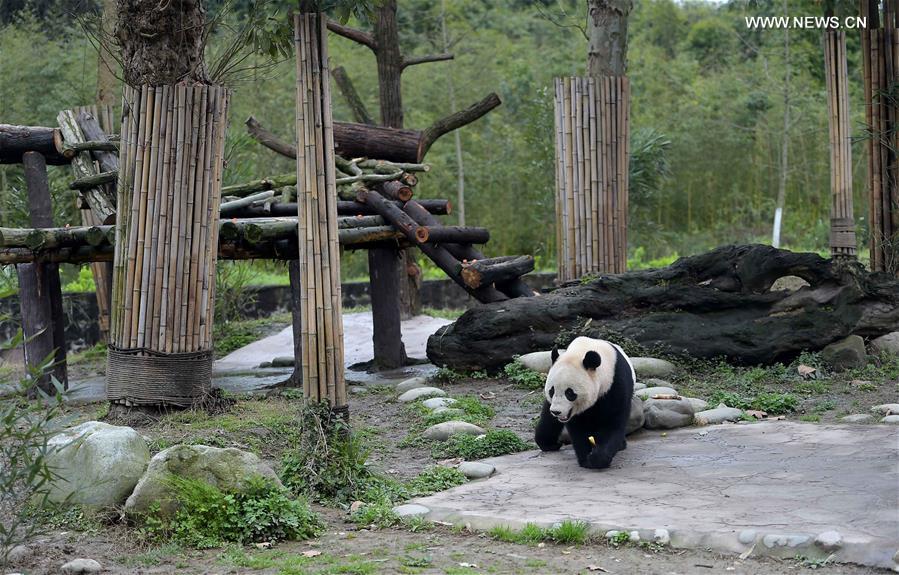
[568, 372]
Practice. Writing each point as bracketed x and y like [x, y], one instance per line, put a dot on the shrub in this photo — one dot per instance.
[209, 517]
[375, 515]
[470, 447]
[527, 378]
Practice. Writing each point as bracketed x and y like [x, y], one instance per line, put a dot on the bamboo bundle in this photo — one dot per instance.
[842, 222]
[319, 257]
[880, 56]
[592, 152]
[166, 243]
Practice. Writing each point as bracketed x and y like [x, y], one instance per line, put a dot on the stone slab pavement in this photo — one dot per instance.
[239, 371]
[771, 488]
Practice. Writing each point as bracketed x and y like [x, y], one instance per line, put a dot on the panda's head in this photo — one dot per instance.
[579, 376]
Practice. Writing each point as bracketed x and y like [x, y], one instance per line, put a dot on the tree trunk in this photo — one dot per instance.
[457, 137]
[390, 65]
[607, 37]
[357, 106]
[108, 88]
[714, 305]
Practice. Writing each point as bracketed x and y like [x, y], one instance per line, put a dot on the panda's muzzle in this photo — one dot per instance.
[557, 413]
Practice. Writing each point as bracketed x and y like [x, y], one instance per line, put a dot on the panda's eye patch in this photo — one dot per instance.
[570, 395]
[552, 391]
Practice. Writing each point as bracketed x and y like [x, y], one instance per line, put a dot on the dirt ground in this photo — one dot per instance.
[264, 425]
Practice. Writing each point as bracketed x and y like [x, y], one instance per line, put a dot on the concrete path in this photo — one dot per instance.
[772, 488]
[239, 371]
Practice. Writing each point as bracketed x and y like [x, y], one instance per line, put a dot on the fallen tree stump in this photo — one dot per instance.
[713, 305]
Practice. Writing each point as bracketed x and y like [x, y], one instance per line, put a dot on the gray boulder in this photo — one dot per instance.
[411, 383]
[638, 386]
[720, 414]
[81, 567]
[652, 367]
[655, 382]
[538, 361]
[857, 418]
[476, 469]
[886, 343]
[283, 361]
[436, 402]
[667, 413]
[636, 418]
[894, 419]
[886, 409]
[698, 404]
[96, 464]
[419, 393]
[443, 431]
[229, 469]
[648, 392]
[845, 354]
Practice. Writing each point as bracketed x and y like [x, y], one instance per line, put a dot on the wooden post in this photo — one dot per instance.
[37, 324]
[842, 220]
[319, 257]
[592, 152]
[384, 285]
[50, 289]
[293, 270]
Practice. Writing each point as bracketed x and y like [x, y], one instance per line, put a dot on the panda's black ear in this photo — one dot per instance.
[554, 355]
[592, 360]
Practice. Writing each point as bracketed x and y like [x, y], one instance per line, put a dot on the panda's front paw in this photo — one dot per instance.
[549, 446]
[598, 460]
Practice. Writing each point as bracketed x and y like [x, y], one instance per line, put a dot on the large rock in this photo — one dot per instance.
[476, 469]
[436, 402]
[81, 567]
[886, 409]
[443, 431]
[636, 418]
[96, 464]
[419, 393]
[648, 392]
[888, 343]
[720, 414]
[228, 469]
[646, 367]
[667, 413]
[698, 404]
[845, 354]
[538, 361]
[411, 383]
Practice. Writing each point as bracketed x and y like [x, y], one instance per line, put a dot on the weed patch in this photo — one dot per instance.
[434, 479]
[470, 447]
[524, 377]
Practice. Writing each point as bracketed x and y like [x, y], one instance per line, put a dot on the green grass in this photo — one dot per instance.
[471, 407]
[434, 479]
[520, 375]
[493, 443]
[375, 515]
[565, 533]
[232, 335]
[810, 418]
[91, 354]
[154, 556]
[770, 402]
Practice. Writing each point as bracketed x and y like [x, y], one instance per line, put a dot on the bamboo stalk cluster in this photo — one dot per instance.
[319, 255]
[167, 233]
[592, 148]
[880, 54]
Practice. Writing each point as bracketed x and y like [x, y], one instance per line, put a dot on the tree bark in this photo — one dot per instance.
[16, 140]
[357, 106]
[714, 305]
[387, 339]
[390, 65]
[607, 37]
[108, 88]
[488, 271]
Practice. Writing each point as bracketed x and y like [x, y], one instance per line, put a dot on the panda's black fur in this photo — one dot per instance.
[605, 420]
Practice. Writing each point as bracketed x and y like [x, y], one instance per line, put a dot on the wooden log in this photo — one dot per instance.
[37, 320]
[457, 235]
[16, 140]
[101, 201]
[94, 180]
[485, 272]
[393, 214]
[395, 190]
[344, 208]
[723, 294]
[71, 149]
[104, 151]
[228, 209]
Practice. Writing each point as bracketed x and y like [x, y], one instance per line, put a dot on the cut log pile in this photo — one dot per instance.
[376, 206]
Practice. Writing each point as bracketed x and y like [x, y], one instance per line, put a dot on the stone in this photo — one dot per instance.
[443, 431]
[886, 343]
[476, 469]
[894, 419]
[717, 415]
[636, 418]
[410, 510]
[845, 354]
[634, 536]
[655, 382]
[661, 536]
[857, 418]
[283, 361]
[453, 411]
[357, 389]
[265, 364]
[667, 413]
[19, 554]
[419, 393]
[436, 402]
[652, 367]
[698, 404]
[648, 392]
[886, 409]
[638, 386]
[747, 536]
[229, 469]
[412, 383]
[539, 361]
[96, 464]
[829, 540]
[81, 567]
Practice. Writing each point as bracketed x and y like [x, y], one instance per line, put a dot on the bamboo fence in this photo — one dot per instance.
[169, 187]
[321, 324]
[592, 151]
[880, 55]
[842, 221]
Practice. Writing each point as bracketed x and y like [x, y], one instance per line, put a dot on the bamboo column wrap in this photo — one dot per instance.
[842, 222]
[319, 256]
[592, 151]
[166, 245]
[880, 55]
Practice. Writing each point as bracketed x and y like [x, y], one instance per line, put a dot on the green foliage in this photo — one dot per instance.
[434, 479]
[209, 517]
[447, 375]
[619, 539]
[639, 261]
[570, 533]
[517, 373]
[84, 282]
[771, 402]
[28, 419]
[473, 411]
[495, 442]
[566, 533]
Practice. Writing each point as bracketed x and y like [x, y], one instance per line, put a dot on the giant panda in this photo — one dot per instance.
[588, 392]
